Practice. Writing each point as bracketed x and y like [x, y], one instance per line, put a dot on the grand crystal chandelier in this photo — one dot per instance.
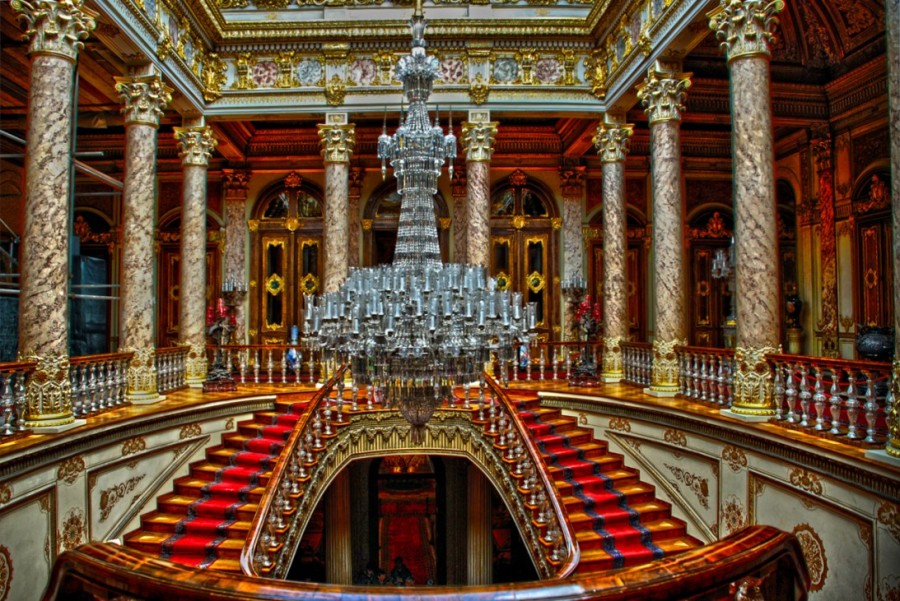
[414, 329]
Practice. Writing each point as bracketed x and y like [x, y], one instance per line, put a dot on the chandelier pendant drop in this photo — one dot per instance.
[418, 327]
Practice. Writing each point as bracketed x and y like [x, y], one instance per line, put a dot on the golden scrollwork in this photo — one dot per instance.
[70, 469]
[243, 63]
[212, 77]
[48, 394]
[664, 376]
[142, 374]
[55, 28]
[753, 382]
[337, 141]
[286, 78]
[663, 93]
[195, 145]
[745, 28]
[144, 97]
[335, 91]
[479, 90]
[596, 73]
[612, 366]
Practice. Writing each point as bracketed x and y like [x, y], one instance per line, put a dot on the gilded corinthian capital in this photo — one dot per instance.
[613, 140]
[55, 27]
[743, 27]
[195, 145]
[663, 92]
[478, 139]
[337, 141]
[145, 98]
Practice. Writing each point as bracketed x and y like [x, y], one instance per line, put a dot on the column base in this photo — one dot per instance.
[883, 456]
[57, 429]
[612, 378]
[661, 393]
[195, 383]
[146, 400]
[744, 417]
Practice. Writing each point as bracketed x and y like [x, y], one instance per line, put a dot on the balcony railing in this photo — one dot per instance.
[706, 374]
[170, 368]
[14, 379]
[637, 362]
[99, 382]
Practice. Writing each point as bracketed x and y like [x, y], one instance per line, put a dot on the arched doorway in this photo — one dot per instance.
[710, 230]
[286, 257]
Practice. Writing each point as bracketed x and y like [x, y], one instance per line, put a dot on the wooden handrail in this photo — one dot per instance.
[13, 366]
[171, 350]
[709, 572]
[639, 345]
[102, 357]
[882, 366]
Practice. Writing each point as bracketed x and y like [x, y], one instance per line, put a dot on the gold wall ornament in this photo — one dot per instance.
[613, 140]
[286, 78]
[164, 46]
[663, 93]
[806, 480]
[253, 225]
[292, 224]
[133, 446]
[479, 90]
[556, 223]
[271, 4]
[213, 77]
[195, 364]
[568, 60]
[645, 44]
[664, 376]
[525, 58]
[195, 145]
[478, 140]
[55, 27]
[243, 63]
[366, 225]
[142, 374]
[753, 382]
[48, 393]
[744, 27]
[734, 457]
[596, 73]
[109, 497]
[335, 91]
[612, 366]
[144, 97]
[619, 424]
[518, 222]
[385, 62]
[69, 470]
[337, 141]
[232, 3]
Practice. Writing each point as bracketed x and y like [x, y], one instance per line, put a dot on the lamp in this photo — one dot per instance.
[418, 327]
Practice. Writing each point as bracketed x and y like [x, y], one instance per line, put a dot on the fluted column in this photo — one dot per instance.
[478, 140]
[234, 189]
[354, 193]
[892, 19]
[823, 153]
[338, 543]
[661, 95]
[478, 538]
[337, 138]
[743, 28]
[55, 31]
[145, 98]
[612, 141]
[195, 145]
[459, 190]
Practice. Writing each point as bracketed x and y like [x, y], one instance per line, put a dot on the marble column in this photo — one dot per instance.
[459, 190]
[195, 145]
[478, 537]
[743, 28]
[337, 138]
[823, 153]
[612, 141]
[55, 31]
[354, 194]
[892, 19]
[479, 133]
[661, 95]
[338, 543]
[572, 189]
[145, 97]
[234, 192]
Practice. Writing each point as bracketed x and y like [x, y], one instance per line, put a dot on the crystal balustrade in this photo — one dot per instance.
[706, 374]
[637, 362]
[170, 367]
[274, 363]
[99, 382]
[14, 378]
[488, 432]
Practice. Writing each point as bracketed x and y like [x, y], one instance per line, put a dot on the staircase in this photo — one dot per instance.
[205, 521]
[617, 519]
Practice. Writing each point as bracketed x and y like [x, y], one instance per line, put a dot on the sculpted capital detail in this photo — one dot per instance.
[55, 26]
[195, 145]
[613, 142]
[145, 98]
[337, 141]
[478, 139]
[743, 27]
[663, 93]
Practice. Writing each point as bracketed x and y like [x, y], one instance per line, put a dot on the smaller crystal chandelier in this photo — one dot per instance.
[416, 328]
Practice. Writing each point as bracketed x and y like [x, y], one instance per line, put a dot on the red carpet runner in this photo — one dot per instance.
[204, 523]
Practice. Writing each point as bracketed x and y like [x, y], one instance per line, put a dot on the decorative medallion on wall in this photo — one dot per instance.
[6, 572]
[190, 430]
[229, 424]
[133, 445]
[264, 74]
[310, 73]
[814, 554]
[548, 70]
[699, 486]
[505, 70]
[453, 70]
[5, 493]
[734, 457]
[888, 514]
[73, 532]
[363, 71]
[109, 497]
[808, 481]
[69, 469]
[675, 437]
[619, 424]
[734, 515]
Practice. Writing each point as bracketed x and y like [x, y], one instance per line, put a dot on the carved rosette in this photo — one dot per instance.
[664, 372]
[48, 396]
[195, 145]
[142, 375]
[613, 141]
[145, 98]
[195, 365]
[55, 27]
[663, 93]
[337, 141]
[753, 382]
[743, 27]
[612, 358]
[478, 140]
[893, 417]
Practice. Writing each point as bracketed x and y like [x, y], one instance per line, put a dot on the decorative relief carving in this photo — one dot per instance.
[806, 480]
[5, 493]
[335, 91]
[814, 554]
[613, 141]
[699, 486]
[54, 27]
[337, 141]
[582, 418]
[620, 424]
[753, 382]
[190, 430]
[744, 28]
[734, 515]
[888, 514]
[195, 145]
[479, 90]
[133, 445]
[213, 77]
[49, 394]
[675, 437]
[109, 497]
[229, 425]
[69, 469]
[478, 140]
[663, 93]
[73, 531]
[144, 97]
[6, 572]
[734, 457]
